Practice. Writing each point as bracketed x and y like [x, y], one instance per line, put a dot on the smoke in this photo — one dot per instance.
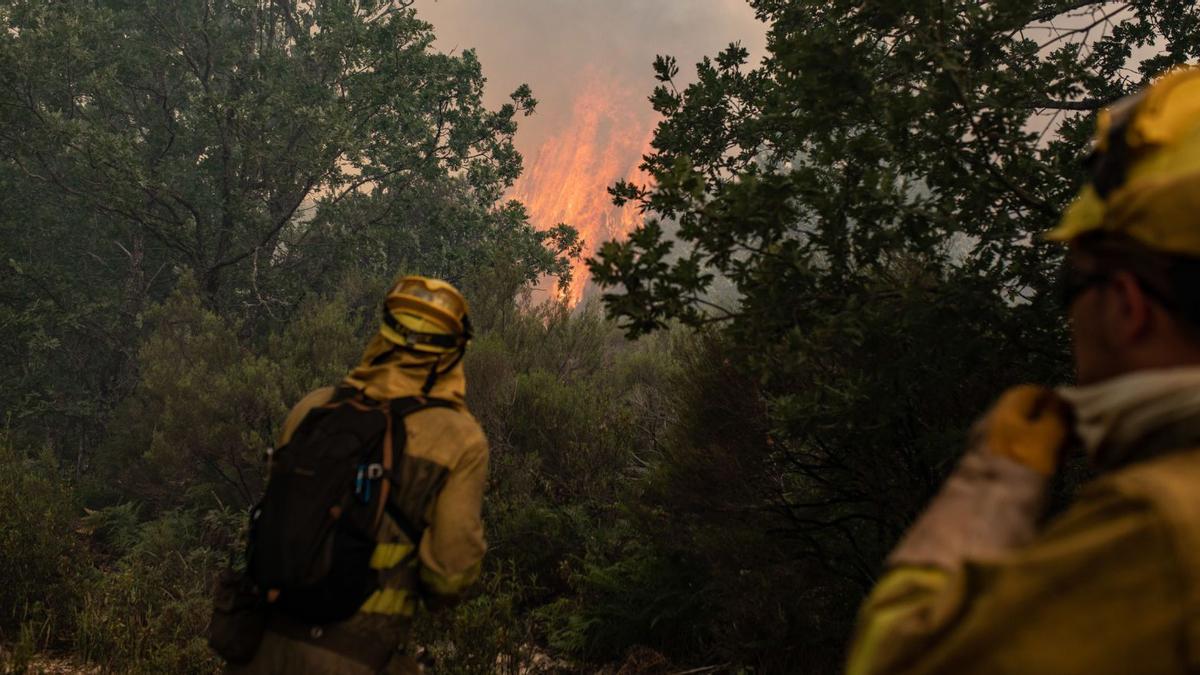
[589, 64]
[553, 45]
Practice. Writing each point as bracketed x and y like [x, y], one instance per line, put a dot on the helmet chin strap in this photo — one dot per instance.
[384, 356]
[459, 342]
[434, 373]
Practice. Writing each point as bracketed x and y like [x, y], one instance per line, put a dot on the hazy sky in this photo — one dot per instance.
[589, 64]
[552, 44]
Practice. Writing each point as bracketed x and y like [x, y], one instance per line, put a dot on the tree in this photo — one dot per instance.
[271, 147]
[219, 129]
[873, 191]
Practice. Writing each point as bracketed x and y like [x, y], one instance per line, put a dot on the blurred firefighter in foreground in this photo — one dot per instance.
[978, 584]
[373, 504]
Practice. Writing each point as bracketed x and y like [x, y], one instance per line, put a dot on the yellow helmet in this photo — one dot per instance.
[1145, 167]
[426, 315]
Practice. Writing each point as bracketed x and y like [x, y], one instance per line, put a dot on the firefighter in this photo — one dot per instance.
[979, 584]
[417, 352]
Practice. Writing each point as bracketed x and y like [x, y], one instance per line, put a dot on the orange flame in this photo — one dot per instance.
[567, 182]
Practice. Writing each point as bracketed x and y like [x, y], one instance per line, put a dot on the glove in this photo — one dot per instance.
[1029, 424]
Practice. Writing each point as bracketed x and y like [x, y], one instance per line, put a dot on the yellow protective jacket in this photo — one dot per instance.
[1112, 586]
[440, 488]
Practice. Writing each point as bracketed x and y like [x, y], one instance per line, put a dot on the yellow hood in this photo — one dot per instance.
[403, 373]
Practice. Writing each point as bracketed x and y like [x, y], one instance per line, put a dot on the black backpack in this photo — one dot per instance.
[314, 532]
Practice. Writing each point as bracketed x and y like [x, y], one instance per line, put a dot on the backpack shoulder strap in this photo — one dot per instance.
[360, 401]
[396, 411]
[403, 407]
[343, 392]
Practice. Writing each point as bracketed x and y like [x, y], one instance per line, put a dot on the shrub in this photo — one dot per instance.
[639, 596]
[43, 565]
[148, 611]
[201, 416]
[487, 633]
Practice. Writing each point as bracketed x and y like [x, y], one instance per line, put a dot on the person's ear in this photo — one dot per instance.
[1129, 308]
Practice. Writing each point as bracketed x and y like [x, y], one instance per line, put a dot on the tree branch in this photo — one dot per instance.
[1086, 105]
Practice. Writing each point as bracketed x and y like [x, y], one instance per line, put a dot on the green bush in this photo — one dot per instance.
[639, 596]
[43, 566]
[201, 416]
[487, 633]
[148, 611]
[211, 398]
[580, 421]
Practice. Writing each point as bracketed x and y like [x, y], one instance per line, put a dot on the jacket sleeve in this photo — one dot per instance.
[453, 545]
[1101, 575]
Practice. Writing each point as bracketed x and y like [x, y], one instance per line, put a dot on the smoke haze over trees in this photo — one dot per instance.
[589, 62]
[201, 203]
[553, 44]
